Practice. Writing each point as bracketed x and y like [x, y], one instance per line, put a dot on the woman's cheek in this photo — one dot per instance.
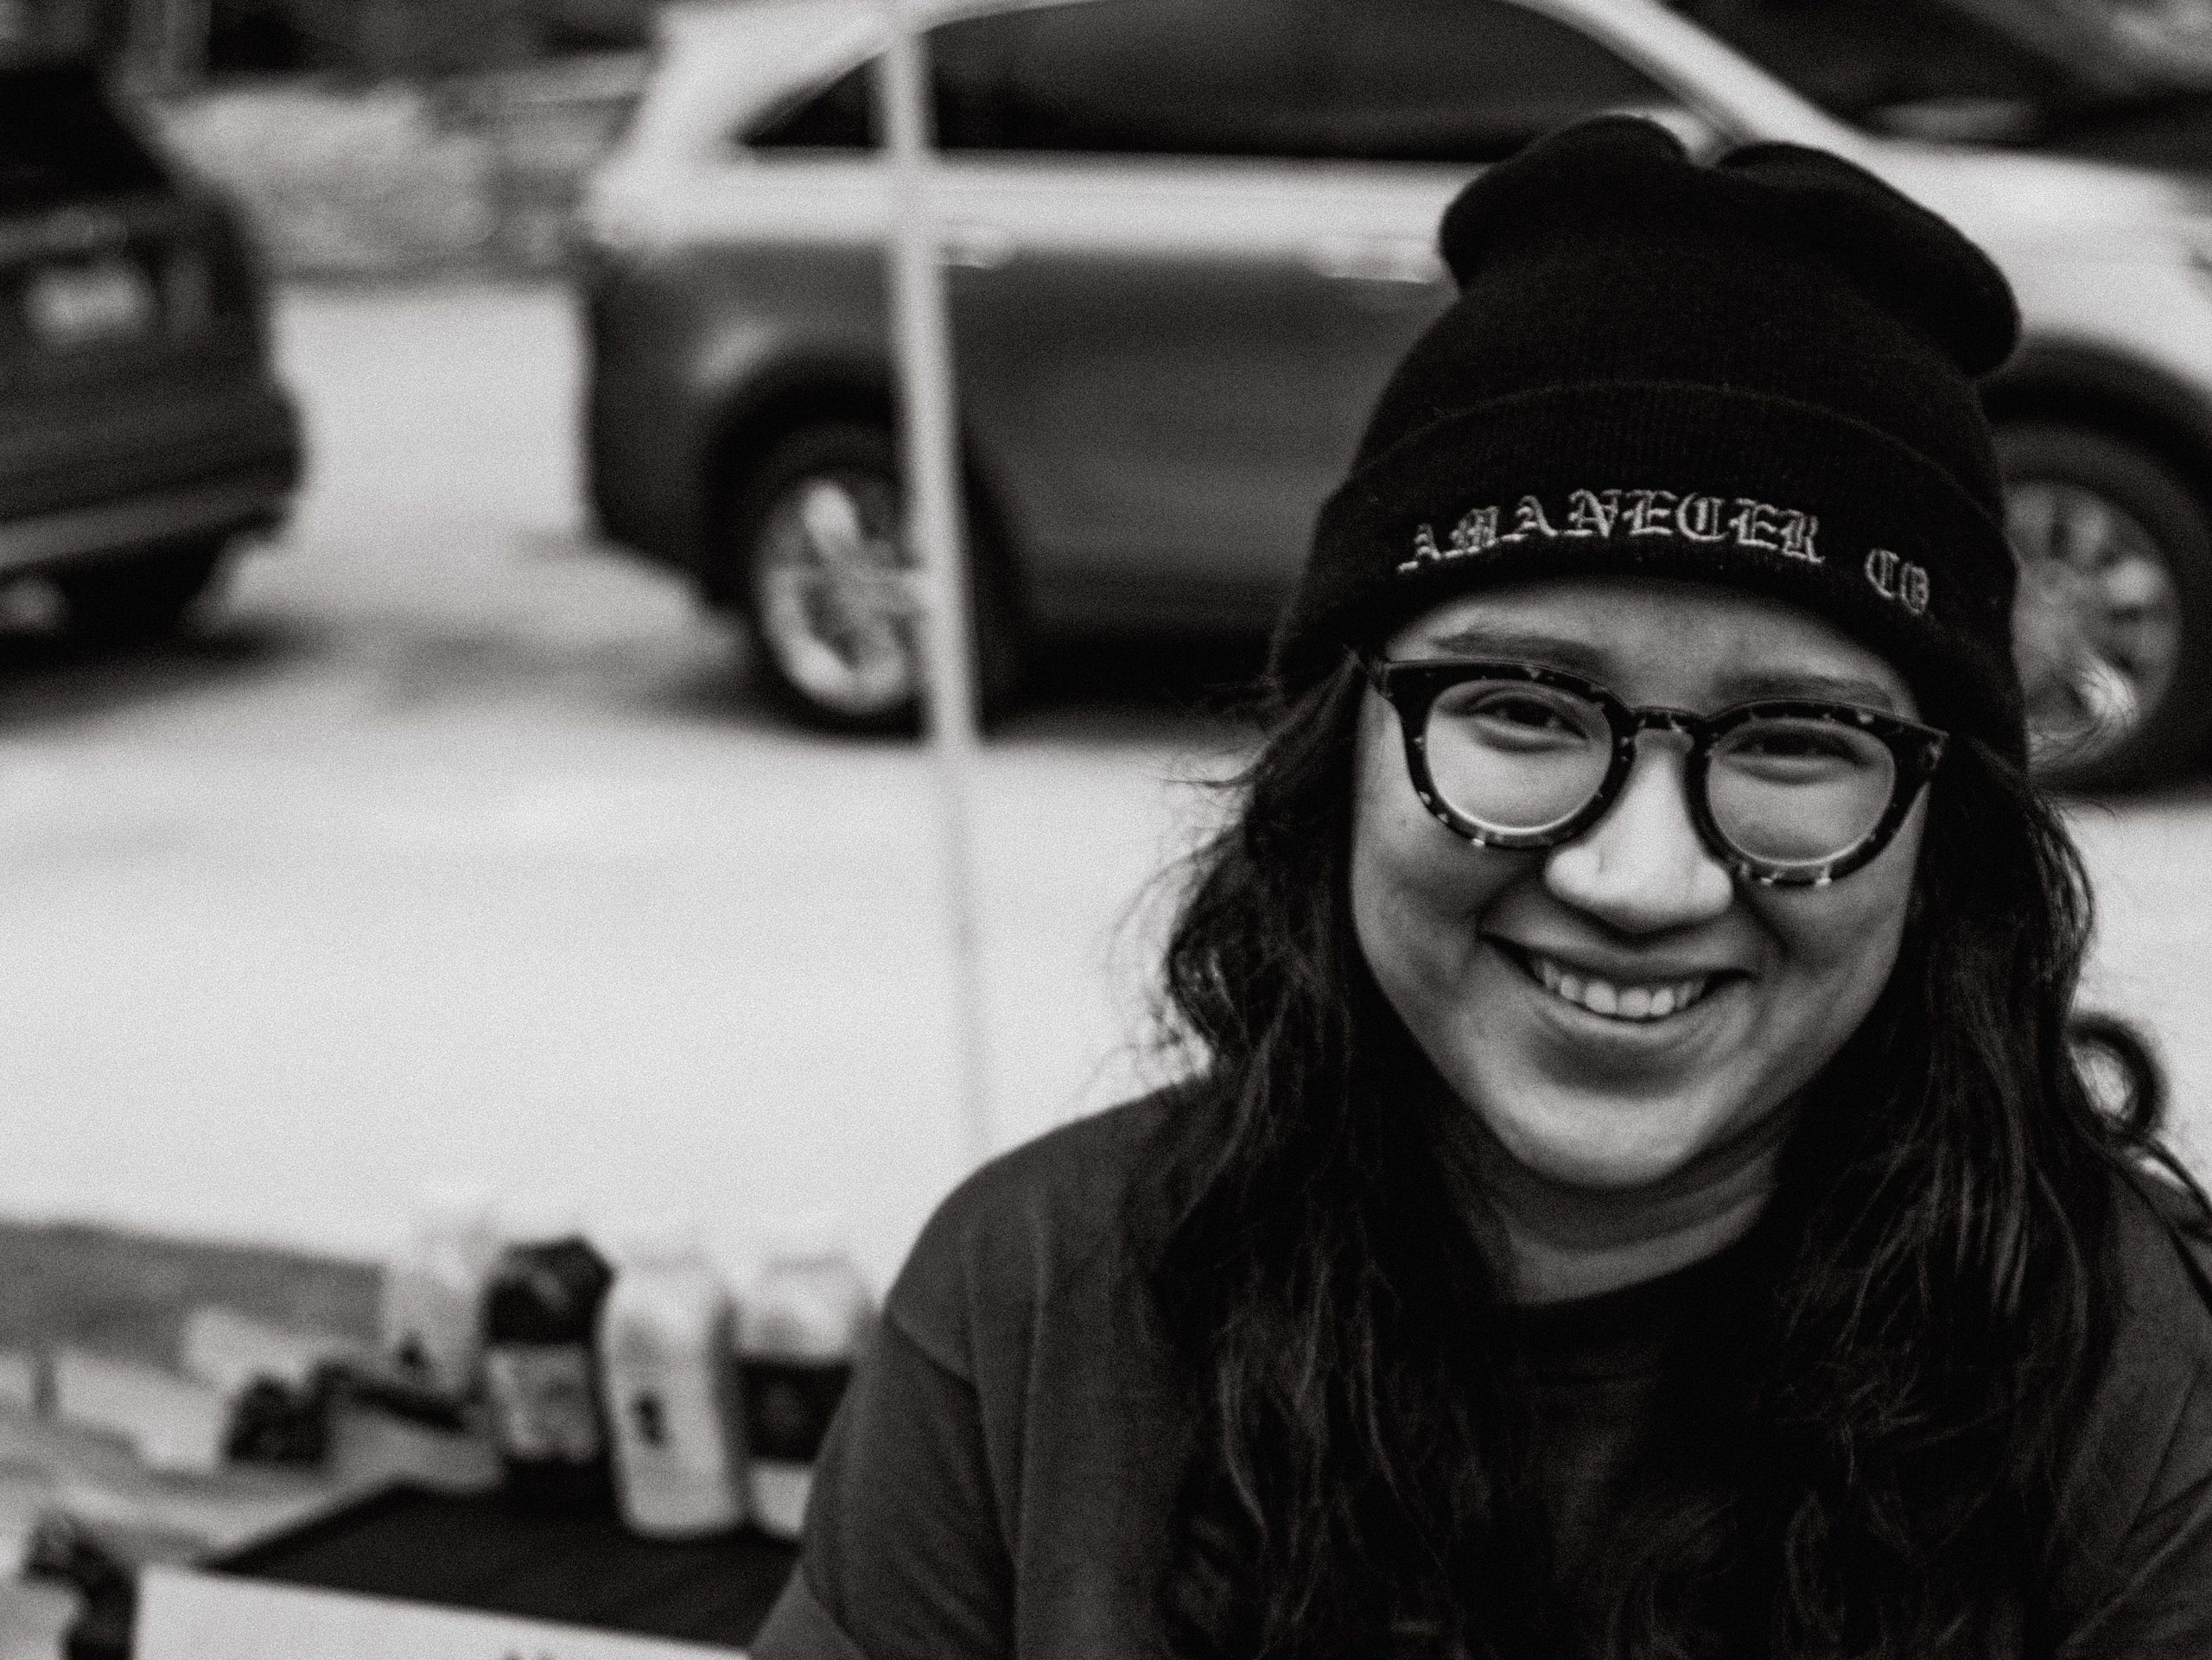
[1847, 935]
[1417, 911]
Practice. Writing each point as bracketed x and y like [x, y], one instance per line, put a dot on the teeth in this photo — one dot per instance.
[1632, 1002]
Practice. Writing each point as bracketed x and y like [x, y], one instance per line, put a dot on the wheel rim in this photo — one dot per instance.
[2097, 626]
[833, 595]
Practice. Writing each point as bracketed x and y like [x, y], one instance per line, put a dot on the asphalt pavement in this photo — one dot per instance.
[453, 844]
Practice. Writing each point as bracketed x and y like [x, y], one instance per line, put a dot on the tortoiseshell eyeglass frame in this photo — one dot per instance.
[1412, 687]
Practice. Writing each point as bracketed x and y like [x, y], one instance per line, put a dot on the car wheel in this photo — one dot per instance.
[139, 598]
[828, 584]
[2112, 627]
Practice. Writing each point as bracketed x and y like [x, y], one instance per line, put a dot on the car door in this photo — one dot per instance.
[1126, 192]
[1419, 95]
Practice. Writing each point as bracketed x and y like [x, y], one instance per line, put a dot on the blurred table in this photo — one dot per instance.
[412, 1570]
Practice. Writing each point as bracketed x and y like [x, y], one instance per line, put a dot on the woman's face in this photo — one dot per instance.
[1463, 939]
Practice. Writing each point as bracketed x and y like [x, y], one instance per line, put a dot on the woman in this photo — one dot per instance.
[1636, 1195]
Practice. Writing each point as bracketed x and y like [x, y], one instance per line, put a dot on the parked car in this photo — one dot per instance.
[1187, 239]
[142, 431]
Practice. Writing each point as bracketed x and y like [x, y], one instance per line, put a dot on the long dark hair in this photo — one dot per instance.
[1878, 1483]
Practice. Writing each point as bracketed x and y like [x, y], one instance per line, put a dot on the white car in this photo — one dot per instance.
[1188, 238]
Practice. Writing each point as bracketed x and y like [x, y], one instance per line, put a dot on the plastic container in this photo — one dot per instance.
[803, 1324]
[541, 1376]
[431, 1318]
[668, 1366]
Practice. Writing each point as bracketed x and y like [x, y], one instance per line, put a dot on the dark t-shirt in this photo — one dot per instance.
[1002, 1476]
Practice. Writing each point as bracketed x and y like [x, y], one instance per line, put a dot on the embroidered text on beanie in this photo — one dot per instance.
[1758, 374]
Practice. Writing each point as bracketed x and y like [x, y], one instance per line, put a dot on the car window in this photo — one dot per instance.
[1860, 59]
[61, 140]
[1465, 80]
[841, 117]
[1126, 77]
[1135, 77]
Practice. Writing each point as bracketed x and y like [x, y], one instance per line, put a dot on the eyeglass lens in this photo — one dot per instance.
[1519, 759]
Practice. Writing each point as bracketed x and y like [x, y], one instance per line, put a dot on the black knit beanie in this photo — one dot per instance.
[1757, 373]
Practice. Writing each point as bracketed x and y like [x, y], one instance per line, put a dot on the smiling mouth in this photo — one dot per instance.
[1627, 1001]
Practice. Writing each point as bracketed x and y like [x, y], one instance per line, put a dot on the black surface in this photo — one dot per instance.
[491, 1554]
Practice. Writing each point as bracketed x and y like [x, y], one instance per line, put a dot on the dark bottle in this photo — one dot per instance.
[541, 1376]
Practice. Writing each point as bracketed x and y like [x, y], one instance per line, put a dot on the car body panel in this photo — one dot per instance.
[113, 524]
[711, 332]
[1133, 342]
[67, 450]
[138, 406]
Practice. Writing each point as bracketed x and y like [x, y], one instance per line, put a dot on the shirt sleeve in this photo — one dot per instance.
[1011, 1425]
[904, 1556]
[2139, 1584]
[2156, 1599]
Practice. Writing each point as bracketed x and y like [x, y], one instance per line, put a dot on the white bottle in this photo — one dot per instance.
[803, 1324]
[668, 1368]
[432, 1303]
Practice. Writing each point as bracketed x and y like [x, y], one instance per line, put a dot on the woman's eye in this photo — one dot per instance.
[1801, 744]
[1530, 712]
[1791, 743]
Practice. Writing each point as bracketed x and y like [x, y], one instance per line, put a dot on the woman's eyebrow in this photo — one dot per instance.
[1749, 685]
[1554, 651]
[1754, 685]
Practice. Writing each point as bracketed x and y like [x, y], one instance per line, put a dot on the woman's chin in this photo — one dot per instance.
[1608, 1145]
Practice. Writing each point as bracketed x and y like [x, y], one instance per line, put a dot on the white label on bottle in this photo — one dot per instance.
[541, 1397]
[676, 1446]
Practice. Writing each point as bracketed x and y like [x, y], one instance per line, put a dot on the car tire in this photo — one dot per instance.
[824, 582]
[2113, 626]
[137, 599]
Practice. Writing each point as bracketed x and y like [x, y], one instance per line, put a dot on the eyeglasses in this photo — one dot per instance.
[1788, 793]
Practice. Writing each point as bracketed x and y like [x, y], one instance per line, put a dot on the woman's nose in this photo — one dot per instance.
[1643, 868]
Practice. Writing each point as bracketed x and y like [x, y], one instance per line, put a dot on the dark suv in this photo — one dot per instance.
[142, 431]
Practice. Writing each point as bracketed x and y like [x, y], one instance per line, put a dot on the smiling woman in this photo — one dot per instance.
[1635, 1194]
[1638, 1009]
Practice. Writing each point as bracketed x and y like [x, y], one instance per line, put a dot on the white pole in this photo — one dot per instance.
[933, 518]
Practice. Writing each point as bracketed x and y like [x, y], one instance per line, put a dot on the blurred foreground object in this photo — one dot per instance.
[143, 435]
[407, 1572]
[429, 1314]
[175, 1425]
[542, 1364]
[243, 1390]
[1168, 322]
[675, 1407]
[803, 1324]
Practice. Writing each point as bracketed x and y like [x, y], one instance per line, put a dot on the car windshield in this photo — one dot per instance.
[1968, 69]
[61, 140]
